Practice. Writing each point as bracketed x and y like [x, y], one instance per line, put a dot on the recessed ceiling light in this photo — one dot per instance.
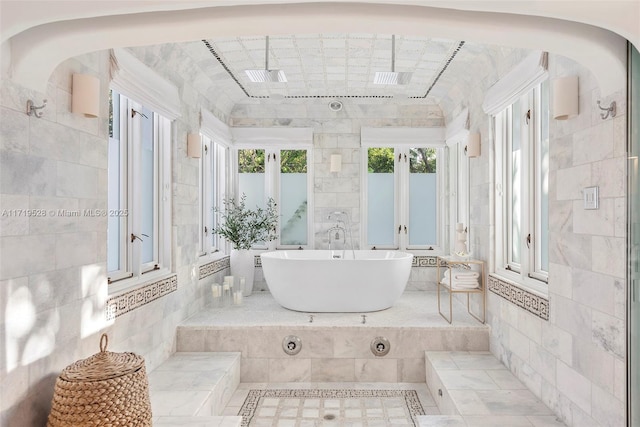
[335, 105]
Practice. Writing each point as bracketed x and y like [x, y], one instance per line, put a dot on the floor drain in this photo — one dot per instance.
[329, 417]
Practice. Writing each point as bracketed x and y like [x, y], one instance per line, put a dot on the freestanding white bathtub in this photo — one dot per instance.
[316, 281]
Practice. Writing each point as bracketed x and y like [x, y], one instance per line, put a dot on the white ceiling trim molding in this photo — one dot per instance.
[282, 137]
[133, 79]
[36, 51]
[414, 137]
[519, 80]
[458, 129]
[214, 128]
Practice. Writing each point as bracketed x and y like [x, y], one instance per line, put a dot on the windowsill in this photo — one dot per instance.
[534, 286]
[134, 282]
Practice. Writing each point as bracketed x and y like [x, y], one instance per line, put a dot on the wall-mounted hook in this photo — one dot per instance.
[607, 112]
[32, 108]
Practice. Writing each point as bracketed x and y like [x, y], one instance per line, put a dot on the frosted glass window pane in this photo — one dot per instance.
[293, 197]
[148, 187]
[114, 232]
[422, 197]
[381, 197]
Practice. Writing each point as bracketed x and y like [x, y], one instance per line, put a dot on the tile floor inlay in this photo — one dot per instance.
[331, 407]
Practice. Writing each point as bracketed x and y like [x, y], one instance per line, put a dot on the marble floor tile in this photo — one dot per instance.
[441, 421]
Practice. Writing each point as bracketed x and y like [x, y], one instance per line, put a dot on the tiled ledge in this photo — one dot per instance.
[129, 301]
[418, 261]
[511, 292]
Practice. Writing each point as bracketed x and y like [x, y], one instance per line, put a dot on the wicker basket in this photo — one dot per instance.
[106, 389]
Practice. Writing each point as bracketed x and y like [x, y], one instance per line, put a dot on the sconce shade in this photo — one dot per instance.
[85, 95]
[565, 98]
[336, 163]
[194, 145]
[473, 145]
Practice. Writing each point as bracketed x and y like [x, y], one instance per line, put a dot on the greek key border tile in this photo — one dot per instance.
[252, 402]
[257, 261]
[423, 261]
[213, 267]
[129, 301]
[531, 302]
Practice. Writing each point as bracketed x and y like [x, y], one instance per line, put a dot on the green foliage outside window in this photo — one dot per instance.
[250, 161]
[381, 160]
[291, 161]
[421, 160]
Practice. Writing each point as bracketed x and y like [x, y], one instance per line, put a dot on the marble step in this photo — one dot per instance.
[193, 385]
[473, 388]
[226, 421]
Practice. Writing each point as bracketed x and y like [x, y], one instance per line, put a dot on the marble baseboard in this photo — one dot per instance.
[129, 301]
[532, 303]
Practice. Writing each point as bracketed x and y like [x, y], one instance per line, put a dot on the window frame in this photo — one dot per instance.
[272, 184]
[214, 187]
[134, 271]
[402, 196]
[528, 272]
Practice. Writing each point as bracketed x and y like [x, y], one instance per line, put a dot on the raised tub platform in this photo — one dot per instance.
[335, 346]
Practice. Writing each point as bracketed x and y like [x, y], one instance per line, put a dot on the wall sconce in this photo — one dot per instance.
[336, 163]
[194, 145]
[85, 95]
[472, 149]
[565, 97]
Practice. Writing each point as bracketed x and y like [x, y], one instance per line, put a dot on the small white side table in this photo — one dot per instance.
[450, 262]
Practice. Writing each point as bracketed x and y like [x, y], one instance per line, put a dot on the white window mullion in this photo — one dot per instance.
[272, 190]
[401, 202]
[135, 173]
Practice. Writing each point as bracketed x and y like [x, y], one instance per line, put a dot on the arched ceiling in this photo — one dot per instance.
[42, 34]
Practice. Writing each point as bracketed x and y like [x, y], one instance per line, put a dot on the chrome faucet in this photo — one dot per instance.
[342, 225]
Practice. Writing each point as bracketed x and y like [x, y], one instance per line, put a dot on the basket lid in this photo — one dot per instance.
[103, 365]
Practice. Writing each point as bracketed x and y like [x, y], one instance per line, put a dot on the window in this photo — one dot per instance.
[138, 220]
[401, 197]
[270, 172]
[214, 166]
[522, 140]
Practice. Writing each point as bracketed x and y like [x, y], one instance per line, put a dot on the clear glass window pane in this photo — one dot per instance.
[381, 197]
[515, 176]
[422, 197]
[114, 187]
[293, 200]
[543, 178]
[148, 187]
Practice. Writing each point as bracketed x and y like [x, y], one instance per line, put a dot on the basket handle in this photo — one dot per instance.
[104, 341]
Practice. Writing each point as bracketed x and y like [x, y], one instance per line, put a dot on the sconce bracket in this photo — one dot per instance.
[32, 109]
[607, 112]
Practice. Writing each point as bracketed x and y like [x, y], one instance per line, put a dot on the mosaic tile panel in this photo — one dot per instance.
[423, 261]
[339, 406]
[129, 301]
[258, 261]
[532, 303]
[213, 267]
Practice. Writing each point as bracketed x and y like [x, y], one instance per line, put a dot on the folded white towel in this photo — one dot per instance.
[462, 275]
[461, 285]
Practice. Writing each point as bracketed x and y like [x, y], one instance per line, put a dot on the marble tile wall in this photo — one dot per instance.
[53, 284]
[575, 360]
[336, 133]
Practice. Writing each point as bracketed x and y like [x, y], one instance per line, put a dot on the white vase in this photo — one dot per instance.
[242, 265]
